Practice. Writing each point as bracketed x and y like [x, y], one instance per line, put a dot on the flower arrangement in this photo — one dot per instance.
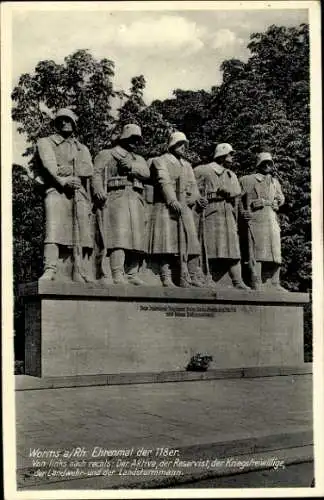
[199, 362]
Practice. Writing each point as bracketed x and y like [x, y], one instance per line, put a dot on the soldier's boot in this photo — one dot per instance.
[81, 276]
[88, 279]
[77, 276]
[105, 281]
[185, 279]
[166, 275]
[275, 280]
[77, 272]
[101, 273]
[117, 261]
[256, 276]
[51, 255]
[209, 282]
[197, 277]
[133, 266]
[86, 265]
[119, 278]
[235, 273]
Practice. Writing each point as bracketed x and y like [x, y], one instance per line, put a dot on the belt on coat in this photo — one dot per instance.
[213, 196]
[266, 203]
[122, 182]
[67, 170]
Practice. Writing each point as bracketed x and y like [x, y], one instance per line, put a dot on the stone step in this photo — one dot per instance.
[28, 383]
[71, 290]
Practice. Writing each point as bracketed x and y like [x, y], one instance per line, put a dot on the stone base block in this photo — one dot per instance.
[74, 329]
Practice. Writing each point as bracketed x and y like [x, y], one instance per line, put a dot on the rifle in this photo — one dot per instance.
[181, 242]
[202, 234]
[76, 271]
[251, 242]
[99, 212]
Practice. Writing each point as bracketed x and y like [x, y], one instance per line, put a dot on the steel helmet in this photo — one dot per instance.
[223, 149]
[177, 137]
[131, 130]
[263, 157]
[67, 113]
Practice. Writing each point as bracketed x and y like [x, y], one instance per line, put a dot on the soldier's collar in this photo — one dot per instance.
[171, 157]
[260, 177]
[58, 139]
[121, 152]
[219, 169]
[175, 160]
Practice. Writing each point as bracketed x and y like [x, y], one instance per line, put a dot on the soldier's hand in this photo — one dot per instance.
[73, 183]
[202, 202]
[126, 165]
[64, 171]
[275, 205]
[175, 207]
[101, 196]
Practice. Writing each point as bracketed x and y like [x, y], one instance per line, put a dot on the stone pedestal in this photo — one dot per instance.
[74, 329]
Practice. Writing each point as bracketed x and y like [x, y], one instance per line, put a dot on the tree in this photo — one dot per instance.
[155, 128]
[188, 111]
[81, 83]
[28, 236]
[135, 102]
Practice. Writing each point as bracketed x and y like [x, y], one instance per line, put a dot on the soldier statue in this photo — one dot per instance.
[261, 198]
[66, 169]
[221, 233]
[172, 233]
[119, 174]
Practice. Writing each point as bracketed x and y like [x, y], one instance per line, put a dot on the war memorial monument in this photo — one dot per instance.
[149, 267]
[142, 287]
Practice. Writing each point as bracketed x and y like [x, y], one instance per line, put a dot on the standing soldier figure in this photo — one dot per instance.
[261, 198]
[172, 232]
[119, 174]
[66, 169]
[223, 191]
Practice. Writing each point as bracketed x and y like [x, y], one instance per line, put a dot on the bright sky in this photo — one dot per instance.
[172, 49]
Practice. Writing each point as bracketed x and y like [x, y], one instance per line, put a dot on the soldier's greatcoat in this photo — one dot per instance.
[264, 223]
[123, 216]
[163, 226]
[60, 159]
[221, 235]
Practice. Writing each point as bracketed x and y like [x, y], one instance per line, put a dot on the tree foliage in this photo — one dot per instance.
[262, 103]
[28, 236]
[81, 83]
[155, 128]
